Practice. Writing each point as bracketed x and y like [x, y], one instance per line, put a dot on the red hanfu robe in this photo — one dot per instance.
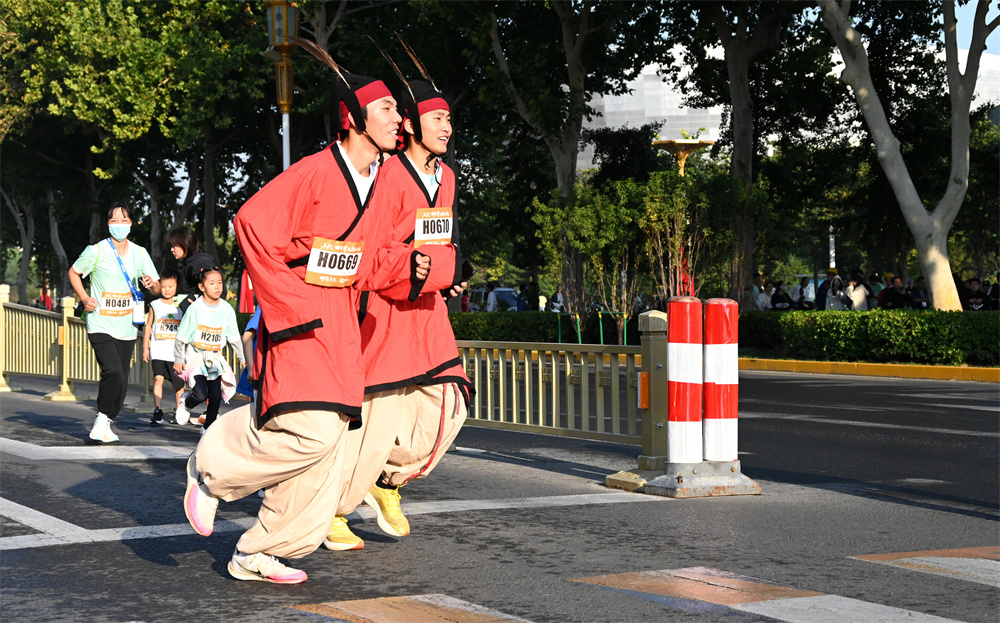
[309, 344]
[412, 342]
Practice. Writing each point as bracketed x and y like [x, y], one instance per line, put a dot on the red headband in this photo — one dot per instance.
[435, 103]
[367, 94]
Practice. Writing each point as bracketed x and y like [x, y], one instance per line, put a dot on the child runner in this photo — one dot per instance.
[158, 342]
[207, 324]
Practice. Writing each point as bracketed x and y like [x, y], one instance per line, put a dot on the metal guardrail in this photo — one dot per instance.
[586, 391]
[36, 342]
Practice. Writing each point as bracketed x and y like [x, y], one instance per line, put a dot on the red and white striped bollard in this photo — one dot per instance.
[721, 379]
[684, 379]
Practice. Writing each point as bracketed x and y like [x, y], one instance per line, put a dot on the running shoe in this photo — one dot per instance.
[385, 503]
[340, 538]
[102, 430]
[182, 415]
[199, 504]
[264, 568]
[157, 418]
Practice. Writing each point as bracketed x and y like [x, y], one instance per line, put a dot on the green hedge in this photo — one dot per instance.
[537, 327]
[881, 336]
[511, 327]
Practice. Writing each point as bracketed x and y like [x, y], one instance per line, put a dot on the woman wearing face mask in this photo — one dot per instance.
[114, 306]
[191, 261]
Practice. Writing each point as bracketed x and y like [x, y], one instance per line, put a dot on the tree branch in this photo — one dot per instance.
[14, 211]
[498, 52]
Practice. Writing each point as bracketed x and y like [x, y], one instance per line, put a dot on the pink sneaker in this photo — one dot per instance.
[264, 568]
[199, 504]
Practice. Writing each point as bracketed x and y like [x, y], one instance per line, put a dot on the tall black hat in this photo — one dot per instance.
[418, 98]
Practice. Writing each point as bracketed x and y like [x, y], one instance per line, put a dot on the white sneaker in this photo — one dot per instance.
[263, 567]
[102, 430]
[182, 415]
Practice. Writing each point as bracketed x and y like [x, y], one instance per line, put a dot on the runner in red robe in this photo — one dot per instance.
[309, 237]
[416, 390]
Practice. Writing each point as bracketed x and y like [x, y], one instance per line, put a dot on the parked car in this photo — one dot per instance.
[506, 299]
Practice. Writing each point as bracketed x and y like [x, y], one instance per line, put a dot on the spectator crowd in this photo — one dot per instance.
[858, 293]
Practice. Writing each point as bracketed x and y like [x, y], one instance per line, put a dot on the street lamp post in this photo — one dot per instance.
[282, 23]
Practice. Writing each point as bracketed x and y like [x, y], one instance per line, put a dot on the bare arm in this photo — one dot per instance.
[248, 338]
[146, 333]
[76, 280]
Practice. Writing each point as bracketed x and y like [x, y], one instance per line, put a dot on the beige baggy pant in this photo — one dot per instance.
[296, 458]
[403, 435]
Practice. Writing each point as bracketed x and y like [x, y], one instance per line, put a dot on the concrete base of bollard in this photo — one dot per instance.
[701, 480]
[64, 394]
[631, 480]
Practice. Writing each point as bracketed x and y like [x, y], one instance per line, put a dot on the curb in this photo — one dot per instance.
[941, 373]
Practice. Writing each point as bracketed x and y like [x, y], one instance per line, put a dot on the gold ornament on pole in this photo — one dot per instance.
[681, 148]
[282, 23]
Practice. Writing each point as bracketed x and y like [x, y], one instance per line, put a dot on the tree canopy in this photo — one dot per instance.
[171, 106]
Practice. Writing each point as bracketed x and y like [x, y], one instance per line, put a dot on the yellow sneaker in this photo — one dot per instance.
[340, 538]
[385, 503]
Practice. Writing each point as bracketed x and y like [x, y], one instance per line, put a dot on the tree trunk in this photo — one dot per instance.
[97, 219]
[932, 251]
[930, 228]
[156, 238]
[65, 289]
[564, 145]
[193, 175]
[738, 69]
[208, 194]
[26, 230]
[741, 47]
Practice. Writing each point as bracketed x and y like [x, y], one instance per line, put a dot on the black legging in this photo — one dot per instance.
[114, 358]
[206, 390]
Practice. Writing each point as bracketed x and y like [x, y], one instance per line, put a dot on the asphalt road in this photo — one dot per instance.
[520, 527]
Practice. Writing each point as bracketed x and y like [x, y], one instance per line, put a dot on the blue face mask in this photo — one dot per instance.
[119, 232]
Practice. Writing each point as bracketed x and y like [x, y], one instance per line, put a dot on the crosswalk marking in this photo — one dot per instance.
[698, 589]
[697, 583]
[434, 608]
[93, 453]
[973, 564]
[836, 609]
[54, 531]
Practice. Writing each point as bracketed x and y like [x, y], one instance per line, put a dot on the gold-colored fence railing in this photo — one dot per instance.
[586, 390]
[36, 342]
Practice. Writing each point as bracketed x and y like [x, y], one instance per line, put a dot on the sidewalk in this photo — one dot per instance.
[912, 371]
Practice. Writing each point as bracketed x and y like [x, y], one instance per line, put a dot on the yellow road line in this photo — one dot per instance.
[943, 373]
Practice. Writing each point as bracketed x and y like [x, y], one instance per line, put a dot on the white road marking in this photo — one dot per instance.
[446, 601]
[834, 609]
[994, 409]
[929, 500]
[813, 419]
[93, 453]
[980, 398]
[922, 481]
[57, 532]
[52, 527]
[978, 570]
